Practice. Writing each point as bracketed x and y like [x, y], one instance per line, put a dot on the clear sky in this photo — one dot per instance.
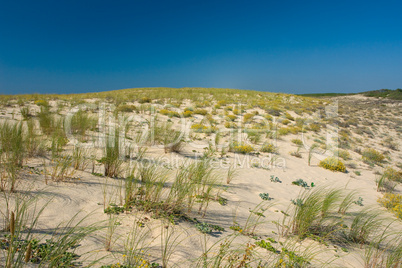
[59, 46]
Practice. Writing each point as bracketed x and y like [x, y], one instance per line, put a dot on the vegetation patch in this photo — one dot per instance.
[333, 163]
[241, 148]
[393, 202]
[372, 156]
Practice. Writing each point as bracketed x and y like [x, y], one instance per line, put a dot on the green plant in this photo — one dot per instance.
[25, 113]
[171, 139]
[81, 122]
[12, 145]
[310, 152]
[392, 174]
[383, 252]
[265, 196]
[232, 172]
[126, 108]
[80, 158]
[298, 142]
[315, 211]
[297, 202]
[231, 117]
[359, 201]
[301, 183]
[114, 209]
[275, 179]
[241, 148]
[169, 242]
[201, 111]
[110, 230]
[372, 156]
[296, 153]
[61, 168]
[199, 127]
[385, 184]
[47, 121]
[345, 155]
[364, 224]
[207, 228]
[333, 164]
[111, 160]
[247, 117]
[393, 202]
[22, 245]
[267, 245]
[169, 113]
[144, 100]
[269, 148]
[34, 145]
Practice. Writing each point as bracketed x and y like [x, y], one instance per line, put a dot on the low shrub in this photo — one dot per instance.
[269, 148]
[314, 127]
[241, 148]
[393, 174]
[393, 202]
[283, 131]
[248, 117]
[126, 108]
[236, 111]
[144, 100]
[230, 125]
[231, 117]
[333, 163]
[187, 113]
[372, 156]
[289, 117]
[169, 113]
[42, 103]
[345, 155]
[298, 142]
[199, 128]
[201, 111]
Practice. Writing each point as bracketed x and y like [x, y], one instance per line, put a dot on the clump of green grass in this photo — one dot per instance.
[384, 183]
[25, 113]
[22, 246]
[323, 212]
[298, 142]
[171, 139]
[81, 122]
[61, 168]
[47, 120]
[12, 154]
[111, 160]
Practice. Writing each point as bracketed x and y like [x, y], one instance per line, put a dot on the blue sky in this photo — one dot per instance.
[280, 46]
